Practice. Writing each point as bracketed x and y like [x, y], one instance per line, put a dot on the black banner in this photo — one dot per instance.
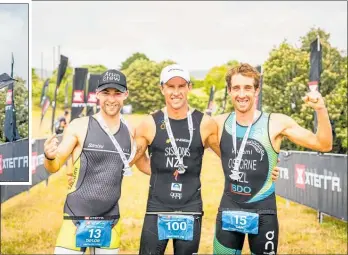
[45, 100]
[78, 92]
[66, 103]
[5, 80]
[316, 180]
[91, 96]
[224, 103]
[61, 72]
[10, 125]
[38, 170]
[44, 90]
[315, 71]
[211, 101]
[98, 106]
[10, 173]
[14, 161]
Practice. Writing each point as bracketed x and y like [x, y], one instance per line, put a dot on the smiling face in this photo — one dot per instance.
[111, 100]
[175, 92]
[243, 92]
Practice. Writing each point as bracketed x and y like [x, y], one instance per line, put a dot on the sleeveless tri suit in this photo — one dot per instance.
[172, 192]
[96, 190]
[253, 193]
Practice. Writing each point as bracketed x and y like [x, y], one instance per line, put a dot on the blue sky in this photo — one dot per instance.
[198, 35]
[14, 38]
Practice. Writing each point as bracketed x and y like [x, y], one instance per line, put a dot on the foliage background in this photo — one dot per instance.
[285, 78]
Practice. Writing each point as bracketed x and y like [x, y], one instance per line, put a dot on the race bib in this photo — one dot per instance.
[175, 227]
[94, 233]
[244, 222]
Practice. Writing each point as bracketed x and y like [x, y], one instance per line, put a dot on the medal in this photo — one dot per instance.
[181, 169]
[127, 171]
[236, 175]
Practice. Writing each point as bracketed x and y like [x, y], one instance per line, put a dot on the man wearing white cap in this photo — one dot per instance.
[176, 137]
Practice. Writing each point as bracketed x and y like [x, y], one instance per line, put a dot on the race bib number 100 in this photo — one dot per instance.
[240, 221]
[94, 233]
[175, 227]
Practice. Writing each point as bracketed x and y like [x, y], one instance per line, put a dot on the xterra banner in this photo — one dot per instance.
[78, 92]
[91, 97]
[316, 180]
[14, 161]
[16, 168]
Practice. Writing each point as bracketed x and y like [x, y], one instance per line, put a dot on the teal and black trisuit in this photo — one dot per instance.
[253, 193]
[161, 197]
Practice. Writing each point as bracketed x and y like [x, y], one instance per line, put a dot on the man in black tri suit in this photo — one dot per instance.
[176, 137]
[250, 143]
[100, 147]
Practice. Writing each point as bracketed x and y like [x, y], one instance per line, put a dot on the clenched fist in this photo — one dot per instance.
[275, 172]
[314, 100]
[50, 147]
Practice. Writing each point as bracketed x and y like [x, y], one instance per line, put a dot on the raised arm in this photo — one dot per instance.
[322, 140]
[56, 155]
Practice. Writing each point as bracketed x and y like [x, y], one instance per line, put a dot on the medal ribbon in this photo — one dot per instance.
[172, 139]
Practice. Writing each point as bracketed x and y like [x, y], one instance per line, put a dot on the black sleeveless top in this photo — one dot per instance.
[168, 191]
[255, 190]
[98, 173]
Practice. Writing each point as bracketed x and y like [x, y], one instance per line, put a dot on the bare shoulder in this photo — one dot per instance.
[131, 130]
[220, 119]
[207, 121]
[78, 125]
[147, 125]
[148, 121]
[280, 119]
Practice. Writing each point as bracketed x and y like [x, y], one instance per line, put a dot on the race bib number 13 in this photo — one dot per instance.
[94, 233]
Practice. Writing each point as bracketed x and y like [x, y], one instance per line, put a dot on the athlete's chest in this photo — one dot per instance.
[97, 140]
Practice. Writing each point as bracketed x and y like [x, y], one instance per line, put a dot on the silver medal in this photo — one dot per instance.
[236, 175]
[127, 171]
[181, 169]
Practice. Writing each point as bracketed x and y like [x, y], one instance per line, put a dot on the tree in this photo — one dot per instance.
[21, 105]
[286, 75]
[37, 85]
[95, 69]
[217, 77]
[125, 64]
[198, 99]
[197, 83]
[143, 78]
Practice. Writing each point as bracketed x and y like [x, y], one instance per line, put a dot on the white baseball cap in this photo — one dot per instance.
[172, 71]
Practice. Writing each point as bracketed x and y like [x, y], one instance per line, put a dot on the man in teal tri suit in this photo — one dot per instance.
[250, 142]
